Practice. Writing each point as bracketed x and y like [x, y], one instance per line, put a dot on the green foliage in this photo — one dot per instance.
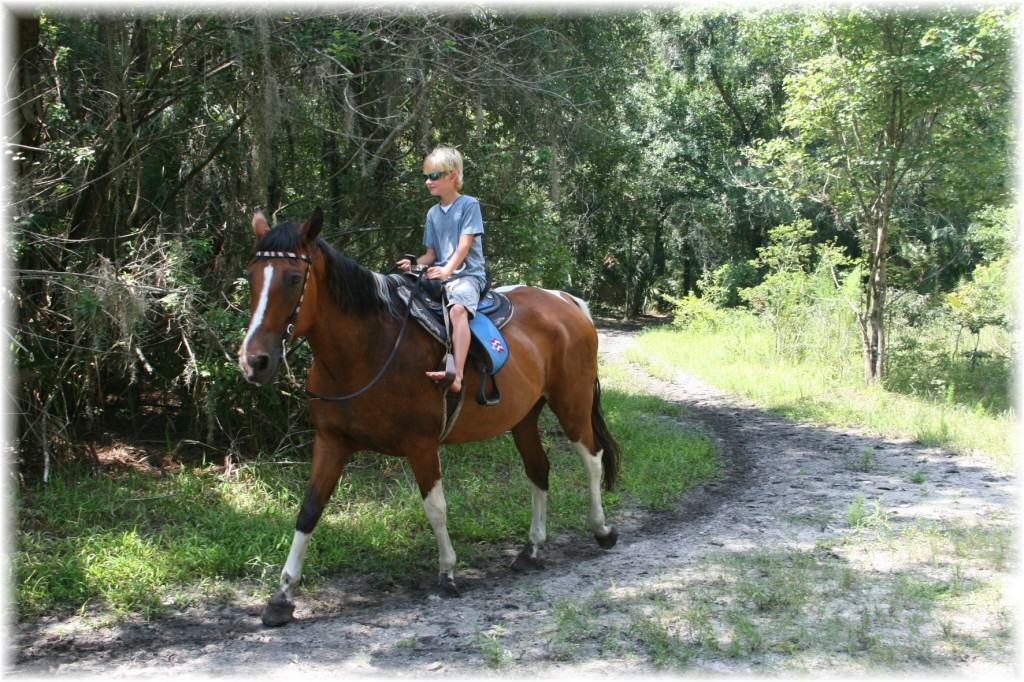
[929, 362]
[722, 286]
[958, 404]
[148, 139]
[982, 300]
[807, 306]
[788, 249]
[697, 313]
[891, 100]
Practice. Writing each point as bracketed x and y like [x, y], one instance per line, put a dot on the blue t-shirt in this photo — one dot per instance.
[443, 229]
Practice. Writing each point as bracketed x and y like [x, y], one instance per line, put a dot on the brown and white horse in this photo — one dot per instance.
[301, 286]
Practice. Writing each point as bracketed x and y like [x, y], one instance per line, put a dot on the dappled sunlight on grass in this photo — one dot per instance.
[832, 606]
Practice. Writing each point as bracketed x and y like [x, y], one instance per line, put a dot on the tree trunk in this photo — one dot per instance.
[880, 210]
[874, 323]
[265, 187]
[29, 82]
[332, 170]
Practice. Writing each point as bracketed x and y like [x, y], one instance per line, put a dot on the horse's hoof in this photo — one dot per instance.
[277, 612]
[528, 559]
[446, 586]
[608, 541]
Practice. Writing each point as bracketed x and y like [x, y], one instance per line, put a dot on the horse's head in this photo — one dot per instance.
[280, 292]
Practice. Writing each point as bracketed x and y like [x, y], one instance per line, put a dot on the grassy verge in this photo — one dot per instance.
[137, 543]
[743, 363]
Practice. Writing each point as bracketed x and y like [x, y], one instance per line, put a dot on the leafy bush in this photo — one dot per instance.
[983, 299]
[722, 285]
[698, 314]
[925, 362]
[808, 297]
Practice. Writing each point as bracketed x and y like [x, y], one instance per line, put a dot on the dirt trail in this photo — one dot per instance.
[787, 489]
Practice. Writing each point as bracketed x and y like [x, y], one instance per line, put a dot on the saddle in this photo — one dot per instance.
[487, 349]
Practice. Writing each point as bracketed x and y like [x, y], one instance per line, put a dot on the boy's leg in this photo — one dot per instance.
[460, 344]
[463, 296]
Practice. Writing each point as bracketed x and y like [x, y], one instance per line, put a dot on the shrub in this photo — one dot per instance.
[722, 286]
[698, 314]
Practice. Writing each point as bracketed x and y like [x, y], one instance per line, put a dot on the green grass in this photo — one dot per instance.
[489, 644]
[741, 359]
[139, 543]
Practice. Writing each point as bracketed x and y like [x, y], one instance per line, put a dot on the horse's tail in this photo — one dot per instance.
[605, 441]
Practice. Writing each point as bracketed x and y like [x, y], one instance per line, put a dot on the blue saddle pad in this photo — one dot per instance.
[491, 340]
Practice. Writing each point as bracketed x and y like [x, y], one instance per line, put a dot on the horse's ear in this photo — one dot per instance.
[259, 224]
[311, 228]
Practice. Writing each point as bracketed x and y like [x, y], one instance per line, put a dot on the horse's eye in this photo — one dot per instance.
[294, 278]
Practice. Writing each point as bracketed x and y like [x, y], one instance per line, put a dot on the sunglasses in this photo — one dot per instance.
[435, 176]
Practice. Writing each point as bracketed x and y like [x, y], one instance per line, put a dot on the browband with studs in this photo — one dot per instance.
[283, 254]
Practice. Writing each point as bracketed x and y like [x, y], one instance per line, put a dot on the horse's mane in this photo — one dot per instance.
[351, 286]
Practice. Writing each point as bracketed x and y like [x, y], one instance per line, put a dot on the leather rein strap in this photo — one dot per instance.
[289, 330]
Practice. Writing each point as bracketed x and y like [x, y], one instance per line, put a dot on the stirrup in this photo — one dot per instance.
[449, 372]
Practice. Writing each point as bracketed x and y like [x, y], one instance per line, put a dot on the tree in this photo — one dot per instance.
[144, 140]
[715, 85]
[894, 100]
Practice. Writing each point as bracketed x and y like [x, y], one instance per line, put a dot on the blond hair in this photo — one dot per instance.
[445, 159]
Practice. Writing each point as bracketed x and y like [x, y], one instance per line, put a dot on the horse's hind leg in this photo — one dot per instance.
[605, 534]
[527, 439]
[575, 411]
[329, 457]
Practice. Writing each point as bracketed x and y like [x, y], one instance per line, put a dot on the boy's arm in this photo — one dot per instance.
[426, 259]
[465, 243]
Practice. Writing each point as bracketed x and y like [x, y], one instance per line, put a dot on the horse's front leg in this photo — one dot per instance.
[329, 456]
[427, 469]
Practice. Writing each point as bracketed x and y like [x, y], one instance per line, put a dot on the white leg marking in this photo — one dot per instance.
[539, 521]
[437, 514]
[257, 318]
[592, 463]
[293, 567]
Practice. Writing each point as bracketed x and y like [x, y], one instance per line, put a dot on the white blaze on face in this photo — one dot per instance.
[257, 318]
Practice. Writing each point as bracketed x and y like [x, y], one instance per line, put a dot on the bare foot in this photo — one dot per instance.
[439, 378]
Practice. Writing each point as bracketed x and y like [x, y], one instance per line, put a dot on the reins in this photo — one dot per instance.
[289, 330]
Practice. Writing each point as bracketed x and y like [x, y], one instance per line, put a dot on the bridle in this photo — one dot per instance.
[289, 330]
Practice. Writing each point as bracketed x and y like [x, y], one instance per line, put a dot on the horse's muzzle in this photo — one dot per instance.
[258, 368]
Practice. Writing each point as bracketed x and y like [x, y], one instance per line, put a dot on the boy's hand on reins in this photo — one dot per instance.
[435, 272]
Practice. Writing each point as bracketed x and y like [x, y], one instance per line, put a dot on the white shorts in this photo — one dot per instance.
[465, 291]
